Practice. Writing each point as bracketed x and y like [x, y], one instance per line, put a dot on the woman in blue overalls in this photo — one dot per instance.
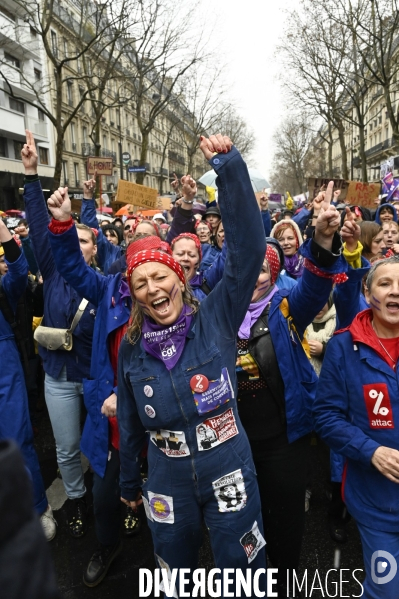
[176, 378]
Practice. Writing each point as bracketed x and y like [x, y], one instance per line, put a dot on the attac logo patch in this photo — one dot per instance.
[378, 406]
[252, 542]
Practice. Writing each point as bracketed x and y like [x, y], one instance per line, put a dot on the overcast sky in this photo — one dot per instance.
[248, 31]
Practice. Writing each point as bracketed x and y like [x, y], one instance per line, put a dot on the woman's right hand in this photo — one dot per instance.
[59, 204]
[133, 504]
[386, 460]
[219, 144]
[29, 154]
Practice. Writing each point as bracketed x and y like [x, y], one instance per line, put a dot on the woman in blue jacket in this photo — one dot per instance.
[176, 380]
[277, 384]
[356, 412]
[64, 370]
[14, 411]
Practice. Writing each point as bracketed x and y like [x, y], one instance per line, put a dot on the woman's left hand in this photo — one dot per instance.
[109, 406]
[328, 220]
[350, 231]
[316, 348]
[59, 204]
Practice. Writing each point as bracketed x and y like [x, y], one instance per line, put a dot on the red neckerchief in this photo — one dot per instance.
[362, 331]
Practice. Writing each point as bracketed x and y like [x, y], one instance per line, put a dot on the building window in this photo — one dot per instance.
[3, 148]
[54, 45]
[17, 105]
[38, 74]
[7, 13]
[18, 145]
[43, 155]
[70, 93]
[65, 172]
[65, 41]
[387, 133]
[12, 60]
[41, 115]
[76, 173]
[84, 135]
[33, 32]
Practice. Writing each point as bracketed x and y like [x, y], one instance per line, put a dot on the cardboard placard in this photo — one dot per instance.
[103, 166]
[137, 195]
[362, 194]
[314, 186]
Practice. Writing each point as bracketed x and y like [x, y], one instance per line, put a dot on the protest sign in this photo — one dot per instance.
[362, 194]
[103, 166]
[139, 196]
[314, 186]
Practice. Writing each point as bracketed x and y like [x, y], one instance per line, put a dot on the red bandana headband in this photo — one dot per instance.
[188, 236]
[155, 256]
[274, 263]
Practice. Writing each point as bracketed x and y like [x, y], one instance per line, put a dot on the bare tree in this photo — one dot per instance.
[73, 41]
[296, 156]
[203, 107]
[233, 125]
[163, 55]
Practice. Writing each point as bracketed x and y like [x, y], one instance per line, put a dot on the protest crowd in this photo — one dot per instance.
[201, 350]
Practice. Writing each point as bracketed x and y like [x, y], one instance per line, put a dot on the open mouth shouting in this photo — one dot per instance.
[161, 305]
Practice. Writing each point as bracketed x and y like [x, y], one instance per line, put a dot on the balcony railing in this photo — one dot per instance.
[383, 145]
[36, 126]
[176, 157]
[88, 150]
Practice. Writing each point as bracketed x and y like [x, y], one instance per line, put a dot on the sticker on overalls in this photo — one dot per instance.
[149, 410]
[147, 508]
[230, 492]
[252, 542]
[214, 431]
[219, 392]
[171, 579]
[161, 507]
[172, 443]
[378, 404]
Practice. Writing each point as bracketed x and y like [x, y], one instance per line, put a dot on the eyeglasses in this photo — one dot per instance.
[127, 228]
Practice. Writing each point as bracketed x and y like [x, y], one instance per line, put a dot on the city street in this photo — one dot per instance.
[71, 555]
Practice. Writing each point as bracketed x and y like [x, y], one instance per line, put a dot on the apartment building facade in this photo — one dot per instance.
[379, 143]
[23, 65]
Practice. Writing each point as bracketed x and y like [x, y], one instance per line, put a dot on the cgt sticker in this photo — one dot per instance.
[230, 492]
[161, 507]
[214, 431]
[252, 542]
[378, 405]
[171, 443]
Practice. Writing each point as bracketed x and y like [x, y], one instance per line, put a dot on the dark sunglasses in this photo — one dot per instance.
[127, 228]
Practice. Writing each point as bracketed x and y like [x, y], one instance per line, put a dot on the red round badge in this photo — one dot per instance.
[199, 383]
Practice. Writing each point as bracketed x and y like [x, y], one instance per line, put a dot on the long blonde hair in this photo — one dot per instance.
[134, 329]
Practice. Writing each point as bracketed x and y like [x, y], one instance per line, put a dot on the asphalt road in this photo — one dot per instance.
[320, 553]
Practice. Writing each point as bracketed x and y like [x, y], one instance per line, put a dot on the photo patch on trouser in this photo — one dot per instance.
[161, 507]
[171, 443]
[252, 542]
[230, 492]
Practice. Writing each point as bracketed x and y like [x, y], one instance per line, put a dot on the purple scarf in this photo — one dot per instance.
[167, 344]
[196, 281]
[294, 265]
[253, 313]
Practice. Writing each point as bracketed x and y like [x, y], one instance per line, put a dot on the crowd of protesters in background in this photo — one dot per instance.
[202, 347]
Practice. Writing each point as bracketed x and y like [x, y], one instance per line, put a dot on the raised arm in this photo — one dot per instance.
[36, 210]
[183, 220]
[68, 257]
[106, 251]
[15, 280]
[323, 260]
[245, 236]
